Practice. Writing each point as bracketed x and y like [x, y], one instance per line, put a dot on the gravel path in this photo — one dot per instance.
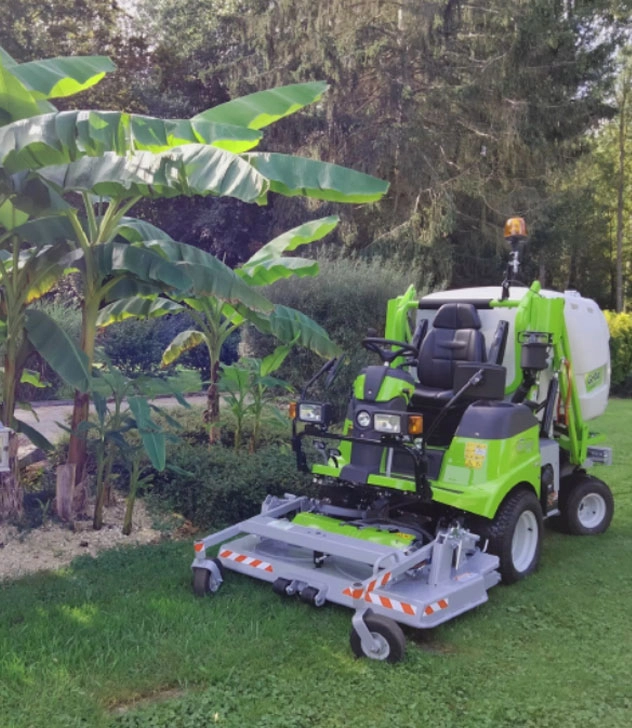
[47, 415]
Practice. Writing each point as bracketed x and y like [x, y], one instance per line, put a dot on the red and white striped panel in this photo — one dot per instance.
[436, 607]
[357, 592]
[390, 603]
[246, 560]
[377, 583]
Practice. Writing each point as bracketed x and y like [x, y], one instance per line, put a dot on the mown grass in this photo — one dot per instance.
[121, 641]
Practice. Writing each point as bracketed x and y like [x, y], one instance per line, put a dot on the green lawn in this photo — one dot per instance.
[121, 641]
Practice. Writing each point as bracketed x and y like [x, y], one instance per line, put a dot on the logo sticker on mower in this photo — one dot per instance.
[475, 454]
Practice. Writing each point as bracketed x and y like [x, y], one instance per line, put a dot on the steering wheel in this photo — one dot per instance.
[378, 346]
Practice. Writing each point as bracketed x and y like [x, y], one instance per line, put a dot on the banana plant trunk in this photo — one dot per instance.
[11, 493]
[211, 413]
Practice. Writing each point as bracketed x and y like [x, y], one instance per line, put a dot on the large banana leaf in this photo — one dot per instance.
[62, 137]
[209, 276]
[140, 231]
[16, 102]
[265, 107]
[184, 341]
[268, 264]
[192, 169]
[138, 308]
[58, 77]
[290, 175]
[58, 349]
[143, 263]
[291, 326]
[154, 439]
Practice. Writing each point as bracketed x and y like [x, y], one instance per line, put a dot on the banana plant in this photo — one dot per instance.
[113, 161]
[222, 309]
[247, 386]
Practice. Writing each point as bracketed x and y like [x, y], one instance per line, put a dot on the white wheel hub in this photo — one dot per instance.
[591, 510]
[382, 649]
[524, 543]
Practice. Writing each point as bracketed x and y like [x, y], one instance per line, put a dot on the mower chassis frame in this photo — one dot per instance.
[420, 587]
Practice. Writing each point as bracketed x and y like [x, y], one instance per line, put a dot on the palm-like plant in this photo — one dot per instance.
[110, 161]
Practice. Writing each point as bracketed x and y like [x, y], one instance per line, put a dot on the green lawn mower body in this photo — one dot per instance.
[471, 430]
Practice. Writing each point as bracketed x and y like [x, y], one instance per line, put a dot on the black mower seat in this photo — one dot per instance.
[455, 337]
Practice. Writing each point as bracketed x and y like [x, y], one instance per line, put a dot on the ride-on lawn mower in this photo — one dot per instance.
[454, 449]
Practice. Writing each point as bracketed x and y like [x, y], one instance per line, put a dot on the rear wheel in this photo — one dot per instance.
[390, 643]
[587, 506]
[515, 535]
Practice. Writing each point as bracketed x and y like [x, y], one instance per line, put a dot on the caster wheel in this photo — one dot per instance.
[390, 643]
[204, 582]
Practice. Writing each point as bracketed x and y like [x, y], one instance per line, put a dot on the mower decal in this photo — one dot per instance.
[475, 454]
[436, 607]
[246, 560]
[353, 593]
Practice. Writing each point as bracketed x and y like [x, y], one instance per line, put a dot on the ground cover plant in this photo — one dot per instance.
[121, 641]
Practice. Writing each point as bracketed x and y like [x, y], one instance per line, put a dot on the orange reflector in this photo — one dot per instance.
[293, 410]
[198, 546]
[515, 227]
[415, 424]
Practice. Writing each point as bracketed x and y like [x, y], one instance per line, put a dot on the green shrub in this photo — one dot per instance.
[224, 486]
[347, 298]
[136, 346]
[620, 325]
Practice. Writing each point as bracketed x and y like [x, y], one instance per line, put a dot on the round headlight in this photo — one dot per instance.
[363, 419]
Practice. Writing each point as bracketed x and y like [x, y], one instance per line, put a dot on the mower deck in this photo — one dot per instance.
[421, 587]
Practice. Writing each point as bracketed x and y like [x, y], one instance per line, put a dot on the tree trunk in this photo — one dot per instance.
[622, 133]
[11, 493]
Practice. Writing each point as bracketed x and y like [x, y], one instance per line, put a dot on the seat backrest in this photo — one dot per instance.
[455, 336]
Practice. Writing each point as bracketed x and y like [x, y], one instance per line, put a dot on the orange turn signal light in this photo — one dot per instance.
[198, 546]
[415, 424]
[515, 227]
[292, 410]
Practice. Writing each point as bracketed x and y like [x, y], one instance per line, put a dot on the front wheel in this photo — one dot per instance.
[515, 535]
[390, 643]
[587, 507]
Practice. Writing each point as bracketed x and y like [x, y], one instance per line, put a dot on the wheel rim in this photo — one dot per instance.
[591, 510]
[525, 541]
[382, 648]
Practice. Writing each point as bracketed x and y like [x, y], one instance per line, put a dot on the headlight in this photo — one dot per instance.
[311, 413]
[363, 418]
[391, 424]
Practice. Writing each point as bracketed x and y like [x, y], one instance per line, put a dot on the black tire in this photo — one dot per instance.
[586, 506]
[202, 579]
[280, 585]
[390, 635]
[201, 582]
[309, 595]
[515, 535]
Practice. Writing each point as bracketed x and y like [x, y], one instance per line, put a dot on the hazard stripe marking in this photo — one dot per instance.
[436, 607]
[246, 560]
[390, 603]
